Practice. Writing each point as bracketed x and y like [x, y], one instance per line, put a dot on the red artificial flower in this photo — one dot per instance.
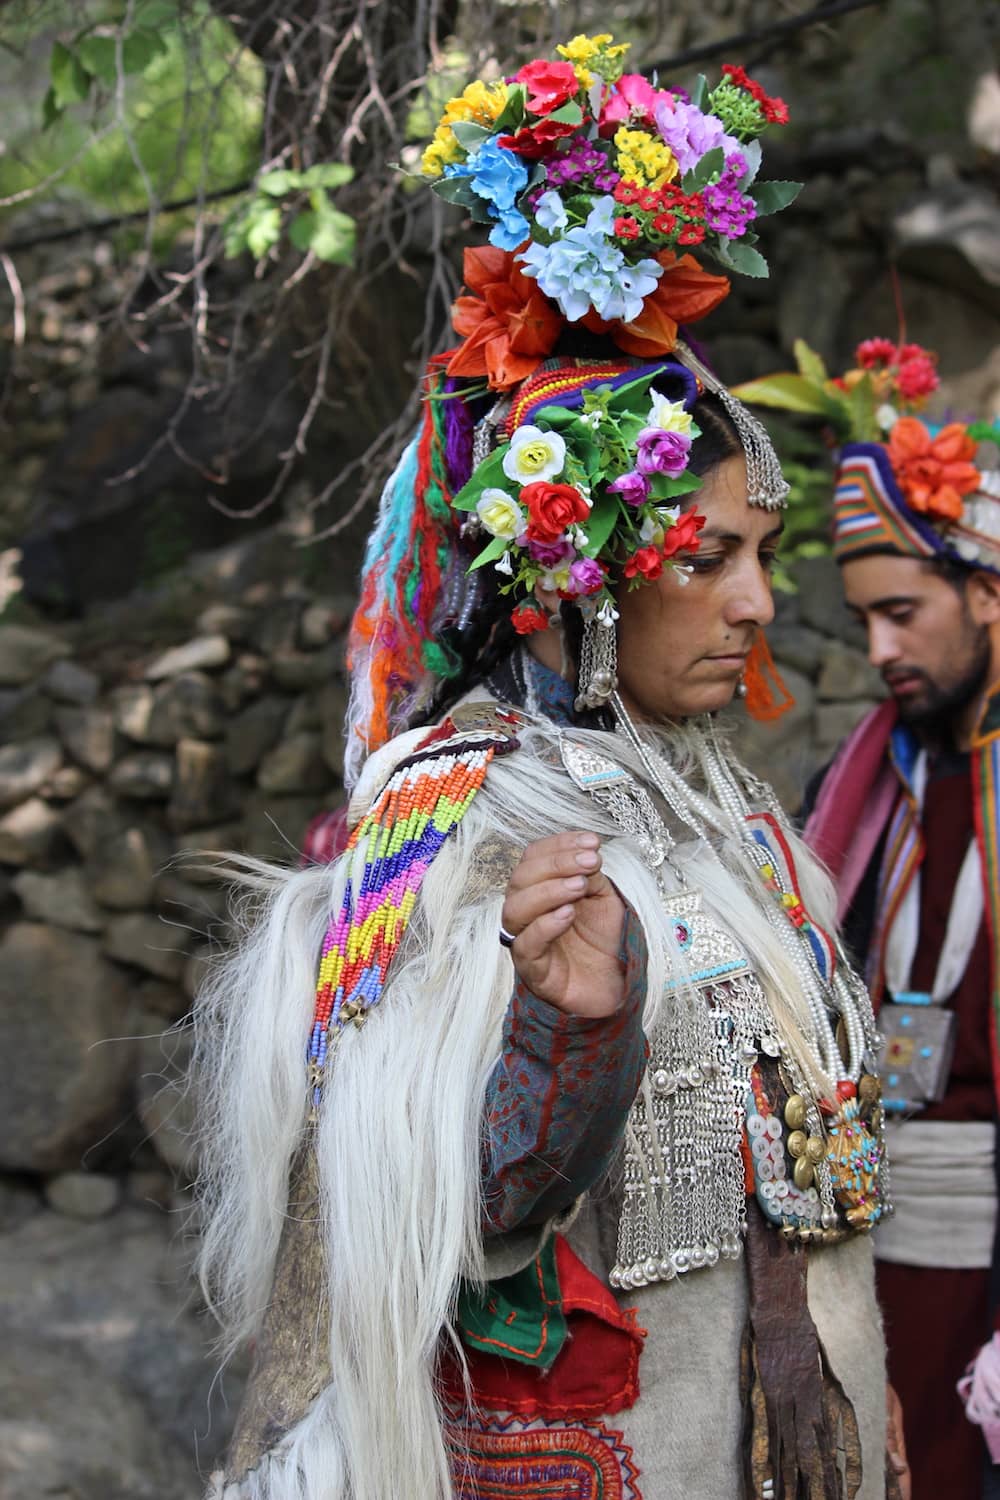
[917, 376]
[913, 351]
[626, 193]
[551, 508]
[694, 204]
[649, 200]
[934, 473]
[665, 223]
[691, 234]
[527, 618]
[738, 75]
[647, 562]
[774, 110]
[871, 353]
[549, 85]
[509, 326]
[538, 140]
[671, 196]
[683, 536]
[627, 228]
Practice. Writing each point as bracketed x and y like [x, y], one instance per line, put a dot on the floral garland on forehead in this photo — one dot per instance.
[595, 184]
[581, 496]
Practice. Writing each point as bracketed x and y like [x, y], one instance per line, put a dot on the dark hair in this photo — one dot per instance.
[489, 639]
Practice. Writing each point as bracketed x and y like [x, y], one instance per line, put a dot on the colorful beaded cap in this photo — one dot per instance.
[389, 854]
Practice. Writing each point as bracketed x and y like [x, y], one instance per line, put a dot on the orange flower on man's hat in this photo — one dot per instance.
[509, 326]
[934, 472]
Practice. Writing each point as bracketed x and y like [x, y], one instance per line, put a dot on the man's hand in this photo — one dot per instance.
[566, 919]
[895, 1443]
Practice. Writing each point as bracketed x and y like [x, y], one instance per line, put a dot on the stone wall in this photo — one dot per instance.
[121, 761]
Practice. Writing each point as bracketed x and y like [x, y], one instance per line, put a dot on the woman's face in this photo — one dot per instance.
[682, 646]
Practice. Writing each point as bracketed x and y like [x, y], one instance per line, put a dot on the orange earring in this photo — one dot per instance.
[766, 696]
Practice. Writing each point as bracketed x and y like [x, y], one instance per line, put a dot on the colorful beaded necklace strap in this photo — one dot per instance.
[389, 854]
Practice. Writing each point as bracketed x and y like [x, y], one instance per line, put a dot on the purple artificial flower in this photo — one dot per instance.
[606, 182]
[633, 488]
[551, 554]
[727, 211]
[690, 133]
[662, 452]
[585, 576]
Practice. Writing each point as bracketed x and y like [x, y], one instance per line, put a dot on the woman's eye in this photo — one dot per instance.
[706, 562]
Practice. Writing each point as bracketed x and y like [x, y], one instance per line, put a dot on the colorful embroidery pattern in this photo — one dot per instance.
[506, 1459]
[391, 851]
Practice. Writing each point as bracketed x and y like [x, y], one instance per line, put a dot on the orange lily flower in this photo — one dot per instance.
[508, 325]
[684, 293]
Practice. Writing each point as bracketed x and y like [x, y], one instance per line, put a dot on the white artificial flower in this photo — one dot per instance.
[500, 513]
[672, 416]
[886, 416]
[592, 419]
[550, 212]
[651, 530]
[607, 614]
[683, 572]
[555, 578]
[504, 565]
[534, 454]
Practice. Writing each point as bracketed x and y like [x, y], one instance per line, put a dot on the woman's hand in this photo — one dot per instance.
[895, 1443]
[566, 919]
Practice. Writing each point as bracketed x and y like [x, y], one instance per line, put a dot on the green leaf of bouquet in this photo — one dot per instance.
[470, 135]
[276, 184]
[511, 117]
[753, 154]
[325, 174]
[742, 258]
[489, 474]
[712, 162]
[600, 523]
[622, 397]
[455, 190]
[772, 197]
[859, 411]
[555, 418]
[139, 49]
[662, 487]
[700, 91]
[788, 392]
[496, 548]
[809, 362]
[568, 114]
[97, 54]
[70, 79]
[479, 210]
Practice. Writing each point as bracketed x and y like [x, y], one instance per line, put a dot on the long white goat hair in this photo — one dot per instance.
[400, 1128]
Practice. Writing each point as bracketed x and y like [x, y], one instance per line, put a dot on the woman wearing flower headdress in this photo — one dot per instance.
[570, 1198]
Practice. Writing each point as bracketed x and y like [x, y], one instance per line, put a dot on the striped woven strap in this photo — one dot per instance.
[390, 852]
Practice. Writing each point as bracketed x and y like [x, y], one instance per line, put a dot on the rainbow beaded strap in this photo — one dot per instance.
[390, 852]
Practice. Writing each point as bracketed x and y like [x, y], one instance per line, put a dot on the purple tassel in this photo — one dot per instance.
[458, 438]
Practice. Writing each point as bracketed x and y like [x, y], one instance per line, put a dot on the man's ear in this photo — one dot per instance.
[982, 594]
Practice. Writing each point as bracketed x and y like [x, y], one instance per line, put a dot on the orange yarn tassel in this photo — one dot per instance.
[767, 697]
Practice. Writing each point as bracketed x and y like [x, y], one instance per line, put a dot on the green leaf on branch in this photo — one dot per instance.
[662, 487]
[139, 49]
[600, 524]
[52, 110]
[489, 475]
[788, 392]
[772, 197]
[324, 230]
[809, 362]
[98, 55]
[469, 135]
[70, 79]
[326, 174]
[279, 182]
[263, 229]
[511, 117]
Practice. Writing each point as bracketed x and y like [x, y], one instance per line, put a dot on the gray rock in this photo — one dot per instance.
[197, 966]
[821, 601]
[25, 653]
[68, 783]
[118, 1292]
[274, 826]
[244, 679]
[202, 907]
[68, 682]
[834, 722]
[124, 867]
[29, 833]
[131, 707]
[19, 1199]
[846, 675]
[165, 1002]
[25, 767]
[225, 619]
[146, 775]
[298, 671]
[276, 628]
[66, 1084]
[320, 622]
[83, 1195]
[294, 765]
[152, 945]
[795, 645]
[64, 899]
[252, 733]
[200, 851]
[958, 215]
[202, 790]
[88, 734]
[24, 712]
[70, 1431]
[305, 715]
[91, 819]
[165, 1106]
[186, 707]
[150, 1188]
[332, 699]
[204, 651]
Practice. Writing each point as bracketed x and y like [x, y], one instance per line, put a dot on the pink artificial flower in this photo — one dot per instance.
[586, 576]
[631, 98]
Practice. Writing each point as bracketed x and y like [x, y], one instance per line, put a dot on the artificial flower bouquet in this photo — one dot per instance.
[598, 183]
[580, 497]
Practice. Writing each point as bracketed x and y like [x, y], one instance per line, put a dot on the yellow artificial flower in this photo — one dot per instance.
[644, 159]
[482, 103]
[441, 151]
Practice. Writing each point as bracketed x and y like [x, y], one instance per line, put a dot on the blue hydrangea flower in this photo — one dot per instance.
[581, 270]
[498, 176]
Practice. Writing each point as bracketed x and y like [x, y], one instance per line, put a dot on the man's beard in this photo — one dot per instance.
[933, 710]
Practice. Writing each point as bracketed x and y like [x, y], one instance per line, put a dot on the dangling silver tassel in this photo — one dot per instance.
[597, 678]
[766, 485]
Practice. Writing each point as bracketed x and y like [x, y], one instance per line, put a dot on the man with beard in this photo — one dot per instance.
[907, 817]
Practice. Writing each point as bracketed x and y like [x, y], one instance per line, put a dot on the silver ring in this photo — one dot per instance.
[507, 939]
